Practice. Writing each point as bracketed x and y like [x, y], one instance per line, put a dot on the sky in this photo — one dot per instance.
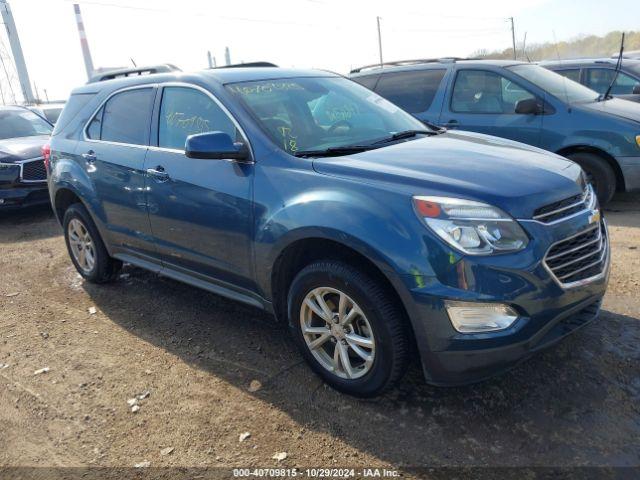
[335, 35]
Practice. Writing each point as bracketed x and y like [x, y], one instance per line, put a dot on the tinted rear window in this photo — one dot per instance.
[369, 82]
[126, 117]
[411, 91]
[75, 103]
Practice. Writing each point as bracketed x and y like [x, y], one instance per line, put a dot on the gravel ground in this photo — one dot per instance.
[200, 358]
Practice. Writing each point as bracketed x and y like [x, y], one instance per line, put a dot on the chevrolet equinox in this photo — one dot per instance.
[376, 237]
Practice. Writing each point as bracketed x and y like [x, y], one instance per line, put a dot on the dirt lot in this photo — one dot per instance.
[197, 355]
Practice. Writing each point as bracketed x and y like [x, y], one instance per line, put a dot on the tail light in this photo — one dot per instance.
[46, 153]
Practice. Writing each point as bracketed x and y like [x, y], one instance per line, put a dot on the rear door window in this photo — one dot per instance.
[124, 118]
[412, 91]
[186, 111]
[482, 91]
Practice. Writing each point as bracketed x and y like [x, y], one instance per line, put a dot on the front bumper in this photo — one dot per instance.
[630, 167]
[14, 193]
[548, 311]
[23, 196]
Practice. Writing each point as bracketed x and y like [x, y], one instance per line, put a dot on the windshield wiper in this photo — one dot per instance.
[347, 149]
[334, 151]
[405, 134]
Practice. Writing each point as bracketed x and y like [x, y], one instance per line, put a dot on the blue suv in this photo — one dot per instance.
[302, 193]
[522, 102]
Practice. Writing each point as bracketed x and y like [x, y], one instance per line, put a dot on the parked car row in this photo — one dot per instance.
[522, 102]
[374, 235]
[506, 99]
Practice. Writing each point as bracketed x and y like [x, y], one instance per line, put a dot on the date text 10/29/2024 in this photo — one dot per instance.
[316, 472]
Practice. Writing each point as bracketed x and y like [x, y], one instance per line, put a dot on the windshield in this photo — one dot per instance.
[22, 123]
[554, 84]
[312, 114]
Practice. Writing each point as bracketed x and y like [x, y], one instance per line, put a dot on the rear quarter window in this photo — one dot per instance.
[73, 106]
[571, 74]
[411, 91]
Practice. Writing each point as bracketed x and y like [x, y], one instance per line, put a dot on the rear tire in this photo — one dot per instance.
[374, 342]
[599, 173]
[86, 248]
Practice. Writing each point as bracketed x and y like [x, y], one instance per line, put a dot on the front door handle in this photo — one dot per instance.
[158, 173]
[89, 157]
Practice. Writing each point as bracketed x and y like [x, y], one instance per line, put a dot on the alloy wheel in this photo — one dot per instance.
[82, 246]
[337, 332]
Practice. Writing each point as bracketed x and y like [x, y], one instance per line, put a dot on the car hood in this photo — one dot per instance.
[510, 175]
[617, 107]
[21, 148]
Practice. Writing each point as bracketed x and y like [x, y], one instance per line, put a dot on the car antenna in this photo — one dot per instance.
[555, 44]
[618, 65]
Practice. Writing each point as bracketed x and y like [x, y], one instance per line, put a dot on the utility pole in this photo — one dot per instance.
[16, 49]
[379, 41]
[209, 59]
[84, 45]
[6, 74]
[227, 56]
[513, 38]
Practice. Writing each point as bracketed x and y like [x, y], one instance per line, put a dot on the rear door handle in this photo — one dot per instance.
[158, 173]
[89, 157]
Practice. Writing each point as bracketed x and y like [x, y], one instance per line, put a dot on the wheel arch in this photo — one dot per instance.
[565, 151]
[63, 199]
[302, 252]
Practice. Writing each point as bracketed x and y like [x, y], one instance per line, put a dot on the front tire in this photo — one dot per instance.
[599, 173]
[348, 327]
[86, 248]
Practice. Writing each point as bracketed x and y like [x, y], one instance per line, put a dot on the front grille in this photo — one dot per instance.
[579, 257]
[34, 171]
[565, 208]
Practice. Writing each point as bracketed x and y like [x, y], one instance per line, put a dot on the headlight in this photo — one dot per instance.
[471, 227]
[638, 140]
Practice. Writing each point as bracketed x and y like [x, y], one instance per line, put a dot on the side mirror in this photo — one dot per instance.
[214, 146]
[636, 89]
[529, 106]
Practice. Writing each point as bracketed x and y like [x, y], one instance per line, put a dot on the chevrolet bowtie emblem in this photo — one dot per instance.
[594, 217]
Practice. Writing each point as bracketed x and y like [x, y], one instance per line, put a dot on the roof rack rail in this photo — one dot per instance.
[130, 72]
[248, 65]
[400, 63]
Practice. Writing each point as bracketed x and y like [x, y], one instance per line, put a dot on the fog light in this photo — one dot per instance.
[1, 201]
[468, 317]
